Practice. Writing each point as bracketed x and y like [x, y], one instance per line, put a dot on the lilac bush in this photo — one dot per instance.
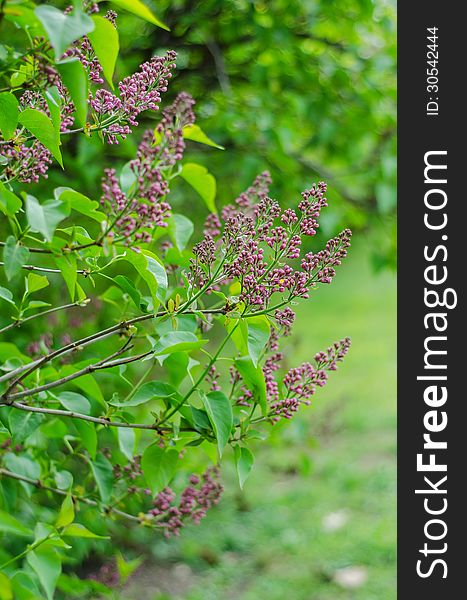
[124, 399]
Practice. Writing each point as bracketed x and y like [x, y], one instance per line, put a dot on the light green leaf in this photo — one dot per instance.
[35, 282]
[196, 134]
[158, 466]
[9, 202]
[23, 465]
[219, 410]
[244, 460]
[45, 217]
[43, 129]
[78, 530]
[126, 441]
[67, 512]
[53, 100]
[149, 391]
[177, 341]
[180, 230]
[6, 590]
[46, 563]
[6, 295]
[75, 402]
[63, 29]
[125, 284]
[11, 526]
[75, 80]
[254, 380]
[103, 474]
[104, 40]
[14, 257]
[140, 10]
[8, 114]
[202, 181]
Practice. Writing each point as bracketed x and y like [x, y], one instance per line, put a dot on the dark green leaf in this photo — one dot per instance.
[23, 424]
[67, 265]
[158, 466]
[8, 114]
[219, 410]
[244, 460]
[43, 129]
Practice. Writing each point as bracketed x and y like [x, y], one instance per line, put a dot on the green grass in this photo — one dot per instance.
[338, 456]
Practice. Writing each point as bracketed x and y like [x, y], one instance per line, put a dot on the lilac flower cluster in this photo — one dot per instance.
[138, 92]
[195, 500]
[134, 215]
[260, 240]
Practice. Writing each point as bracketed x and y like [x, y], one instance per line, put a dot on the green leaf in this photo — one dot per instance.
[23, 465]
[149, 391]
[244, 460]
[67, 265]
[78, 530]
[180, 230]
[47, 565]
[196, 134]
[126, 441]
[11, 526]
[219, 410]
[53, 100]
[75, 80]
[14, 257]
[8, 114]
[23, 424]
[9, 202]
[88, 435]
[103, 474]
[158, 466]
[74, 402]
[104, 40]
[44, 218]
[6, 295]
[254, 380]
[67, 512]
[258, 336]
[177, 341]
[202, 181]
[125, 284]
[140, 10]
[6, 591]
[35, 282]
[43, 129]
[80, 203]
[62, 29]
[152, 272]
